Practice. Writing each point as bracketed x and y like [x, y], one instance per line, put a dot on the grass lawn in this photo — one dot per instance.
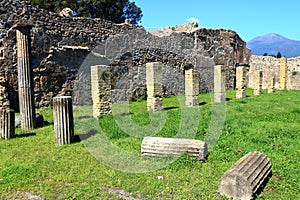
[270, 123]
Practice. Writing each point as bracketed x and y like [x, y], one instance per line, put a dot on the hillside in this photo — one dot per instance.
[272, 44]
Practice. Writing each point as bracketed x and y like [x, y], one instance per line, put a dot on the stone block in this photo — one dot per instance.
[154, 86]
[258, 78]
[219, 84]
[101, 90]
[191, 87]
[240, 82]
[154, 104]
[283, 73]
[271, 84]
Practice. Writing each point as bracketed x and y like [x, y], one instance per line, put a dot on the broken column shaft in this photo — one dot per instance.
[7, 123]
[245, 177]
[25, 77]
[63, 120]
[162, 147]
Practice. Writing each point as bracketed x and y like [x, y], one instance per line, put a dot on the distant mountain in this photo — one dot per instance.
[272, 44]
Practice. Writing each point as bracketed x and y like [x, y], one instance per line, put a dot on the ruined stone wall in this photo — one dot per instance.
[271, 67]
[61, 44]
[226, 48]
[56, 59]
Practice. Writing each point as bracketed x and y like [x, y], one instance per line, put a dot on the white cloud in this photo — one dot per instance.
[193, 19]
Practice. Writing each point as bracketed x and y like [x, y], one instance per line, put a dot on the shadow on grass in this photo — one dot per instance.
[84, 117]
[81, 137]
[262, 187]
[24, 135]
[171, 108]
[202, 103]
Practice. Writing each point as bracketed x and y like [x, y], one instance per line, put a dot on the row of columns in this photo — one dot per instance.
[101, 86]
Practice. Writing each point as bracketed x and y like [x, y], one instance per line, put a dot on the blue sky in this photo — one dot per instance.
[249, 18]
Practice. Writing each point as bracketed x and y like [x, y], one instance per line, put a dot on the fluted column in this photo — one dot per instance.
[25, 77]
[7, 123]
[162, 147]
[63, 120]
[245, 177]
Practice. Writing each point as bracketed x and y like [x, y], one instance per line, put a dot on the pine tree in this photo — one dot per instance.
[278, 55]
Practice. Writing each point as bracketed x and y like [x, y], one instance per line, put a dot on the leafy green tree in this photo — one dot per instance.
[265, 54]
[113, 10]
[54, 5]
[278, 55]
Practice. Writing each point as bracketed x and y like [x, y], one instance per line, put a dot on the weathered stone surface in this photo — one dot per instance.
[25, 76]
[240, 82]
[271, 68]
[154, 86]
[191, 87]
[182, 28]
[160, 147]
[66, 12]
[245, 177]
[54, 75]
[219, 84]
[7, 123]
[101, 90]
[63, 120]
[283, 73]
[271, 84]
[258, 79]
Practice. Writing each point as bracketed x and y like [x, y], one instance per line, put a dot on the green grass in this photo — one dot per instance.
[269, 123]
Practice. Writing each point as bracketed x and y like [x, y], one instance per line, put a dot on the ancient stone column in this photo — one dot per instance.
[245, 177]
[258, 78]
[283, 73]
[25, 77]
[161, 147]
[271, 84]
[240, 82]
[7, 123]
[154, 86]
[219, 84]
[191, 87]
[63, 120]
[101, 90]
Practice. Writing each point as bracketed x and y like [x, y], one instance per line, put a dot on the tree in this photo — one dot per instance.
[265, 54]
[278, 55]
[113, 10]
[54, 6]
